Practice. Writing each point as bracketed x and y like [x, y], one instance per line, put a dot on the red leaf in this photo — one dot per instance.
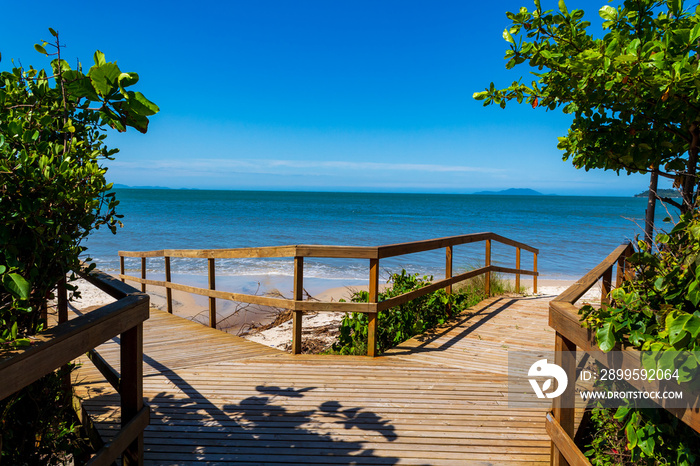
[535, 102]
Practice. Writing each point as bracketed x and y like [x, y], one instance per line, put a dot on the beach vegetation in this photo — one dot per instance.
[53, 193]
[656, 311]
[633, 93]
[415, 317]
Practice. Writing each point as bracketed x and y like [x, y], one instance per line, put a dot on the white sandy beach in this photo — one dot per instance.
[320, 329]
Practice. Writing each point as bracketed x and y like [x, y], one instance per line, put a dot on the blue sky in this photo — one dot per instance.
[318, 95]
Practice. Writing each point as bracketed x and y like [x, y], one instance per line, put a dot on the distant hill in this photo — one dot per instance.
[661, 193]
[123, 186]
[513, 192]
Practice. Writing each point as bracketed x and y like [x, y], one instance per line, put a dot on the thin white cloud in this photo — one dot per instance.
[274, 165]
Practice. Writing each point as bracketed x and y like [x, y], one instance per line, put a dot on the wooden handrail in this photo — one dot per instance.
[583, 284]
[406, 297]
[299, 252]
[330, 251]
[70, 339]
[564, 318]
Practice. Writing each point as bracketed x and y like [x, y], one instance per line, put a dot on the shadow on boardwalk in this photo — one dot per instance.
[434, 341]
[189, 426]
[437, 399]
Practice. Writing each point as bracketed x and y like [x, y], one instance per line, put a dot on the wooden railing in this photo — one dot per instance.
[72, 338]
[564, 318]
[299, 252]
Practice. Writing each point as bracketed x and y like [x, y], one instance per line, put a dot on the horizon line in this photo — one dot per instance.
[362, 191]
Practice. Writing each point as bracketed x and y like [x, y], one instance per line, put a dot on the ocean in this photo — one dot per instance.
[573, 234]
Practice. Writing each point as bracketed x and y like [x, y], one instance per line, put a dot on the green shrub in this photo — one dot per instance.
[400, 323]
[39, 425]
[630, 437]
[655, 311]
[53, 193]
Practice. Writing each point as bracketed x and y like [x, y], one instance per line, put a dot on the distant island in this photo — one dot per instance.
[124, 186]
[512, 192]
[673, 193]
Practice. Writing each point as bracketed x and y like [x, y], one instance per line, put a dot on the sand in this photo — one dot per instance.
[319, 329]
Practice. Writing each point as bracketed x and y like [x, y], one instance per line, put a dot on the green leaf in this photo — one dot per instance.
[104, 78]
[695, 33]
[2, 269]
[694, 293]
[678, 323]
[662, 238]
[562, 8]
[141, 105]
[631, 436]
[17, 285]
[99, 58]
[128, 79]
[508, 37]
[621, 413]
[608, 13]
[626, 58]
[659, 284]
[53, 32]
[646, 445]
[605, 337]
[637, 337]
[40, 49]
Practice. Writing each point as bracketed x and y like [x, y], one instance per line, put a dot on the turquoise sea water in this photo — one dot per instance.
[572, 233]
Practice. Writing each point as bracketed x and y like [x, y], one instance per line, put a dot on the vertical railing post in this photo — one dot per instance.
[606, 286]
[143, 274]
[517, 266]
[622, 268]
[298, 296]
[62, 308]
[62, 300]
[131, 353]
[629, 270]
[45, 310]
[168, 290]
[620, 275]
[487, 280]
[212, 286]
[448, 274]
[563, 408]
[121, 267]
[534, 277]
[373, 298]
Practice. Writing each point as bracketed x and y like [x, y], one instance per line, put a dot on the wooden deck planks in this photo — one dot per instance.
[436, 399]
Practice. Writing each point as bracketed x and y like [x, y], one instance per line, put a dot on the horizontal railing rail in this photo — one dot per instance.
[70, 339]
[565, 320]
[299, 252]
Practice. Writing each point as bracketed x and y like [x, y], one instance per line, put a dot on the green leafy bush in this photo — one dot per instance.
[39, 425]
[400, 323]
[53, 190]
[655, 311]
[628, 437]
[53, 193]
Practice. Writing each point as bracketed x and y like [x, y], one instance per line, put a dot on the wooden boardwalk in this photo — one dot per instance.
[437, 399]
